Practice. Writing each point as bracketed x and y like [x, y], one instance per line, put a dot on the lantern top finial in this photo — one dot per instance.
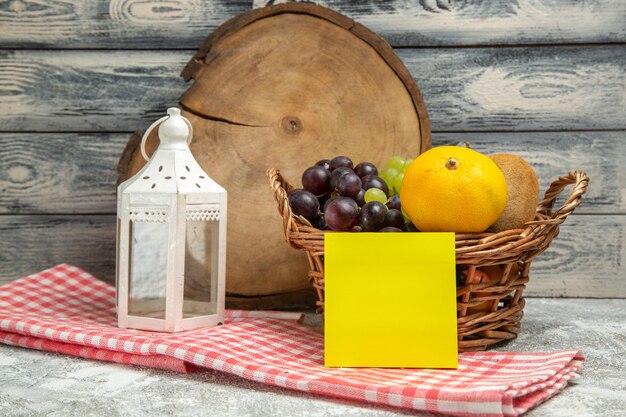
[172, 167]
[176, 130]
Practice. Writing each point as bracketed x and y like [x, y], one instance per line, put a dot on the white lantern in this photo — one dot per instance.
[171, 238]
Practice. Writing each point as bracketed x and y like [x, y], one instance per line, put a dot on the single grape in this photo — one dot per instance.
[323, 199]
[342, 214]
[391, 173]
[396, 162]
[331, 198]
[336, 175]
[316, 179]
[349, 185]
[394, 202]
[394, 218]
[372, 181]
[383, 175]
[324, 163]
[319, 223]
[372, 216]
[375, 194]
[409, 227]
[304, 203]
[360, 198]
[340, 161]
[390, 229]
[397, 182]
[407, 163]
[389, 179]
[365, 168]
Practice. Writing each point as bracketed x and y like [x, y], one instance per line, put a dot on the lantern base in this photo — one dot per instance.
[160, 325]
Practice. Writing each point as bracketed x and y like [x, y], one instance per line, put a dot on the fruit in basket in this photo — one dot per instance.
[341, 161]
[337, 174]
[390, 229]
[394, 218]
[394, 202]
[491, 274]
[453, 189]
[373, 181]
[360, 197]
[396, 182]
[522, 192]
[349, 185]
[397, 163]
[375, 194]
[325, 163]
[304, 203]
[481, 277]
[365, 168]
[372, 216]
[342, 214]
[357, 189]
[394, 174]
[316, 179]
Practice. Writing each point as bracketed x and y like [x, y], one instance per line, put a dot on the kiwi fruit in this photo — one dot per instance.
[522, 192]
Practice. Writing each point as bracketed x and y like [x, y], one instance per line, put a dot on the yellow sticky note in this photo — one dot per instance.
[390, 300]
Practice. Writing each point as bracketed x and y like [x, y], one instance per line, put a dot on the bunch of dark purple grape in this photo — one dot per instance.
[337, 195]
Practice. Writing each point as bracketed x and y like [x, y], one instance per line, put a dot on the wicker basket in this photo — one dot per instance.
[487, 312]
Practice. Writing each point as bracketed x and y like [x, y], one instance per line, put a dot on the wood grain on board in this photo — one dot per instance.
[255, 104]
[539, 88]
[76, 173]
[585, 260]
[180, 24]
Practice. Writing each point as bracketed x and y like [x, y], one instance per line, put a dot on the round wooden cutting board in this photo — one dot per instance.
[285, 86]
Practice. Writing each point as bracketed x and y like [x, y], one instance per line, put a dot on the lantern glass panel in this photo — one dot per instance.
[200, 296]
[148, 269]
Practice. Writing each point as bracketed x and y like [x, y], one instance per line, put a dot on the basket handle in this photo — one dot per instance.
[580, 181]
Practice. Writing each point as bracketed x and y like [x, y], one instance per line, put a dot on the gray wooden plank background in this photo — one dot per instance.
[485, 89]
[545, 80]
[152, 24]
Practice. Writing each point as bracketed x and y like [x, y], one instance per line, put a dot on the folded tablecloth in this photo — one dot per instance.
[65, 309]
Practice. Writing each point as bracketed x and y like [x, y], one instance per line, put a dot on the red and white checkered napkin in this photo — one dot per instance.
[65, 309]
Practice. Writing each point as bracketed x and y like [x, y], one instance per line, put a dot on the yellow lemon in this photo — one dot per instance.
[453, 189]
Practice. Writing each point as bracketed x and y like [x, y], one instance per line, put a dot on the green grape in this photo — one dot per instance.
[390, 174]
[397, 182]
[407, 163]
[383, 175]
[396, 162]
[406, 218]
[375, 194]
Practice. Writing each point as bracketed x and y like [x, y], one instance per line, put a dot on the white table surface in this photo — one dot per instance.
[34, 383]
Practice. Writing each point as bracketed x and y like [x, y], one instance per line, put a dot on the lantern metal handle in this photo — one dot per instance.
[155, 124]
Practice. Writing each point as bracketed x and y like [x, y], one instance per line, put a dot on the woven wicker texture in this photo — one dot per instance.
[489, 311]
